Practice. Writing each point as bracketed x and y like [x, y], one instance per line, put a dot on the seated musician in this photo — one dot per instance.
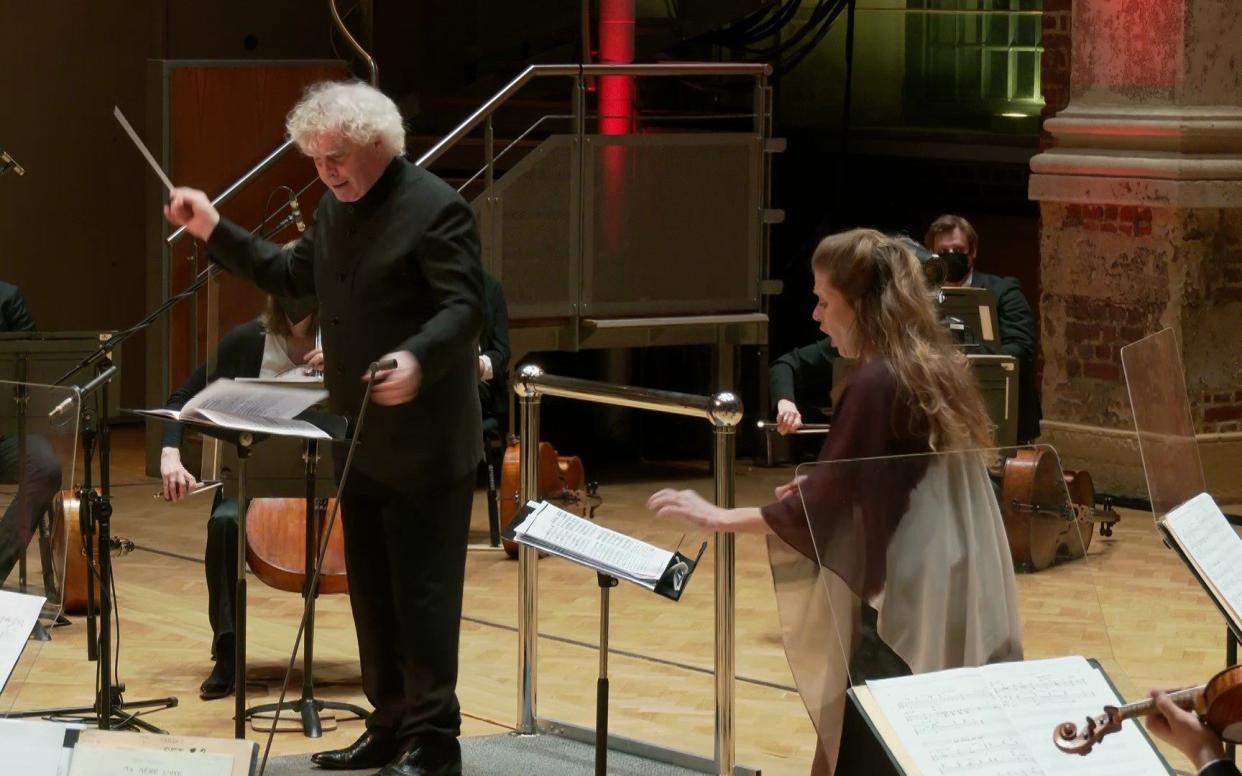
[1183, 729]
[283, 338]
[42, 475]
[802, 378]
[916, 544]
[950, 233]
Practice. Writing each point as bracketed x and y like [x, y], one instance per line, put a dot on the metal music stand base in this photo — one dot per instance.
[308, 706]
[119, 719]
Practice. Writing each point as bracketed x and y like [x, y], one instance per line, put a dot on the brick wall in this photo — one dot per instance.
[1222, 411]
[1055, 63]
[1124, 219]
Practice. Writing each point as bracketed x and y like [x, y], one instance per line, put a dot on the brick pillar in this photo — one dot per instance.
[1054, 65]
[1140, 191]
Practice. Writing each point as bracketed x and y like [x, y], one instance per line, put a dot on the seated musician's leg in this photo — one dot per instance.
[220, 563]
[42, 479]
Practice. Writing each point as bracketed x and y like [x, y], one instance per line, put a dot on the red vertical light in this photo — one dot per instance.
[616, 114]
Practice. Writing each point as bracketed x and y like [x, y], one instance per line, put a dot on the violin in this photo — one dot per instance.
[1048, 513]
[276, 544]
[1218, 704]
[562, 479]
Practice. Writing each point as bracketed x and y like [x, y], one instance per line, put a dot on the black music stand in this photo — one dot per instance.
[308, 706]
[671, 585]
[243, 442]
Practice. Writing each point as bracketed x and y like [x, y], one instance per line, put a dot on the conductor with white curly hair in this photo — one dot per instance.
[393, 257]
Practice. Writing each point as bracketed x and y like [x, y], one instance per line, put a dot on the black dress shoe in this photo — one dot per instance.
[429, 757]
[370, 751]
[219, 683]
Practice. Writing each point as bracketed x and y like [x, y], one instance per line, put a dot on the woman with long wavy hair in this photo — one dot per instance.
[889, 555]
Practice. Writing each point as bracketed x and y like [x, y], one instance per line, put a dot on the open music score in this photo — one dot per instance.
[261, 408]
[550, 529]
[998, 720]
[1210, 546]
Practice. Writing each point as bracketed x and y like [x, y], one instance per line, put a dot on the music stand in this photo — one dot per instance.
[243, 442]
[971, 316]
[671, 584]
[308, 706]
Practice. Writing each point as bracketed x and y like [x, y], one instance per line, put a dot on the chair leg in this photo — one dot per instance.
[493, 506]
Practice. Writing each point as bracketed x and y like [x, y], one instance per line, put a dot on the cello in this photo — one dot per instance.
[276, 544]
[1048, 513]
[562, 479]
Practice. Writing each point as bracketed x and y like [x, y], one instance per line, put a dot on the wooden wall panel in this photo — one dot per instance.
[222, 119]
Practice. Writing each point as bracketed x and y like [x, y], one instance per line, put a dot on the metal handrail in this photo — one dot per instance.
[536, 71]
[512, 143]
[502, 96]
[724, 411]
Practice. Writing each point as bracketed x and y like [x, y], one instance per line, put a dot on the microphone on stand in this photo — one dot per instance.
[9, 163]
[297, 212]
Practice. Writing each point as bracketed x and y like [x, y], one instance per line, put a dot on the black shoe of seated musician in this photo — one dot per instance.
[439, 756]
[220, 683]
[371, 750]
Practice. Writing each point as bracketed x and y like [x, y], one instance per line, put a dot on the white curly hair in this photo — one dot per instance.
[357, 111]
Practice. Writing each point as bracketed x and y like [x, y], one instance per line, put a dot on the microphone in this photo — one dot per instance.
[9, 163]
[297, 212]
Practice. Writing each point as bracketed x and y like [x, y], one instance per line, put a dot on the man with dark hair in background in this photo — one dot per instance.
[954, 234]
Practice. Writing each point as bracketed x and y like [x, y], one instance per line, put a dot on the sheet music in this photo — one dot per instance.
[242, 754]
[252, 399]
[35, 747]
[265, 425]
[1212, 545]
[92, 759]
[998, 720]
[557, 529]
[18, 614]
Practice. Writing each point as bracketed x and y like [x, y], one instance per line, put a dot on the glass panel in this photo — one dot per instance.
[39, 528]
[1166, 432]
[906, 565]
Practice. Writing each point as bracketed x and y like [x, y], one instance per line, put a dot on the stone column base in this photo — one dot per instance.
[1116, 466]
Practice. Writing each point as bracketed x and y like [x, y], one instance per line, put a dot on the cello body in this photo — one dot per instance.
[276, 544]
[562, 478]
[1048, 513]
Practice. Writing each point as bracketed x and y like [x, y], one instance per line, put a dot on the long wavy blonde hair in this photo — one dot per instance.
[896, 320]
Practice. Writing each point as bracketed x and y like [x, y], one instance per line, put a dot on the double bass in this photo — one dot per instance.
[1048, 513]
[561, 479]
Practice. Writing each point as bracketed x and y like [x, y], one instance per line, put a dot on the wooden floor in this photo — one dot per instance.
[1132, 605]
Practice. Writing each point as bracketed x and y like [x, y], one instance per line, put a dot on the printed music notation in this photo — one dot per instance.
[18, 614]
[998, 720]
[553, 529]
[1212, 546]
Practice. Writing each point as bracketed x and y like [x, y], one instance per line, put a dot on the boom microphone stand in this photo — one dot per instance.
[96, 510]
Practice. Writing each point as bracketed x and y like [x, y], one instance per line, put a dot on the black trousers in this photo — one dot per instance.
[34, 494]
[220, 566]
[406, 558]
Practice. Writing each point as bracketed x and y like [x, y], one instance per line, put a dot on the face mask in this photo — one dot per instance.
[299, 308]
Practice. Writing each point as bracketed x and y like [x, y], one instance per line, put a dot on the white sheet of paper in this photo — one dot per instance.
[580, 537]
[263, 425]
[998, 720]
[90, 759]
[1213, 546]
[18, 614]
[253, 399]
[34, 747]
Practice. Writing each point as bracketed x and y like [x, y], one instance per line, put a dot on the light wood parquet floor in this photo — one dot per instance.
[1131, 604]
